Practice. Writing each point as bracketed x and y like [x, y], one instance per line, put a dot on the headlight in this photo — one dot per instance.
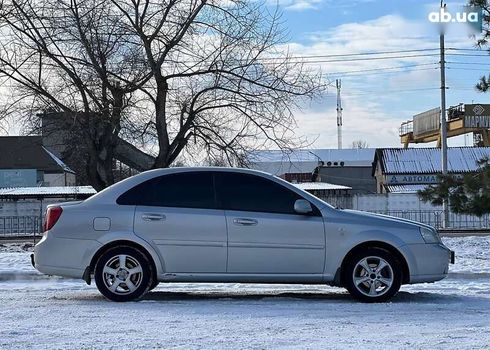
[429, 235]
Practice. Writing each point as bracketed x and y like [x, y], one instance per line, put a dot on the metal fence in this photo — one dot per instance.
[22, 226]
[435, 218]
[344, 202]
[19, 226]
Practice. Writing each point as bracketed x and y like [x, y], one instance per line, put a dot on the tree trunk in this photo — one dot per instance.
[161, 160]
[100, 146]
[132, 156]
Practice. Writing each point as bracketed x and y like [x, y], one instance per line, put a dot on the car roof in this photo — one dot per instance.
[205, 168]
[110, 194]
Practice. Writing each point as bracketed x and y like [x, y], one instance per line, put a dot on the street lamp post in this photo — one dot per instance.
[443, 119]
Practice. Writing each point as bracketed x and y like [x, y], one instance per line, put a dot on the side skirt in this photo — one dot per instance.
[245, 278]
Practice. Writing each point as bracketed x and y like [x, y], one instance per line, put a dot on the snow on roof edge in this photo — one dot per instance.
[320, 186]
[58, 161]
[56, 190]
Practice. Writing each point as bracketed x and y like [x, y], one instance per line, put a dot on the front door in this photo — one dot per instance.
[265, 234]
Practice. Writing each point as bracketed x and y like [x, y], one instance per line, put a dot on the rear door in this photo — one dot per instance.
[265, 234]
[178, 214]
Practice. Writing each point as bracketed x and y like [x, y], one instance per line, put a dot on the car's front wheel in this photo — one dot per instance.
[123, 274]
[373, 275]
[154, 284]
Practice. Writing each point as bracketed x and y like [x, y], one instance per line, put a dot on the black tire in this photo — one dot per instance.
[129, 286]
[154, 284]
[373, 286]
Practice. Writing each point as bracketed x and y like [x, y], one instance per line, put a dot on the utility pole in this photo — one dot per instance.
[339, 114]
[443, 118]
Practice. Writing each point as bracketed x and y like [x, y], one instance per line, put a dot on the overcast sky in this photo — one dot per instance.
[376, 102]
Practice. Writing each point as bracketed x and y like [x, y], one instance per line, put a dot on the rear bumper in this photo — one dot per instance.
[63, 257]
[61, 271]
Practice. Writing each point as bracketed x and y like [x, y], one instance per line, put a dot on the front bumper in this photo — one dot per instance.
[427, 262]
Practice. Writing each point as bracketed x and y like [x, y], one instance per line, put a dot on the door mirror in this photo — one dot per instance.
[302, 206]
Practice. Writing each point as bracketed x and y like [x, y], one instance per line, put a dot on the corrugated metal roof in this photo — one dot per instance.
[320, 186]
[48, 191]
[357, 156]
[405, 188]
[428, 160]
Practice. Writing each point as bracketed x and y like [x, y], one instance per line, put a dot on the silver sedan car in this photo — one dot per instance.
[231, 225]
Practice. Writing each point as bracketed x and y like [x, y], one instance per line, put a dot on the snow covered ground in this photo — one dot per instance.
[40, 312]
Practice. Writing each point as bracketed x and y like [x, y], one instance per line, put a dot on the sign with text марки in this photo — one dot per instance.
[477, 116]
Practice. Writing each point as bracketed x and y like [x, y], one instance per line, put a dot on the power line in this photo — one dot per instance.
[357, 54]
[304, 59]
[387, 68]
[468, 69]
[370, 92]
[370, 58]
[369, 53]
[460, 49]
[467, 55]
[347, 76]
[414, 90]
[470, 63]
[140, 64]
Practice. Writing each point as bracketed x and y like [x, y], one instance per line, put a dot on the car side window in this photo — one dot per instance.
[246, 192]
[181, 190]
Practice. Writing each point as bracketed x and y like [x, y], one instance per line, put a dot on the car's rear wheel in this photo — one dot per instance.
[123, 274]
[373, 275]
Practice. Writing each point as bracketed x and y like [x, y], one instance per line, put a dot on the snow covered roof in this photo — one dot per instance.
[308, 186]
[428, 160]
[405, 188]
[278, 162]
[357, 156]
[53, 192]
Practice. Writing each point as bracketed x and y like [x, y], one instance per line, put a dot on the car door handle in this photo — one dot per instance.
[245, 222]
[152, 217]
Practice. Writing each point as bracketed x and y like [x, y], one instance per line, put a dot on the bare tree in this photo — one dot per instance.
[214, 80]
[72, 58]
[204, 77]
[360, 144]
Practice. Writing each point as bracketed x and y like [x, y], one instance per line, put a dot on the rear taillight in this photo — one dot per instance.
[52, 216]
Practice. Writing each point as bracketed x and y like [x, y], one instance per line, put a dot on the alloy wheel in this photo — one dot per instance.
[122, 274]
[373, 276]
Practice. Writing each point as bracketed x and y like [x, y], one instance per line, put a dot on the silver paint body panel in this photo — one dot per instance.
[212, 245]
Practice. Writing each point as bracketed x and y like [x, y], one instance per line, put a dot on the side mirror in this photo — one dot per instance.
[302, 206]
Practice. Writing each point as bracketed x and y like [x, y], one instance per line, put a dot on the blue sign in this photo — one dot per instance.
[411, 179]
[414, 179]
[18, 177]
